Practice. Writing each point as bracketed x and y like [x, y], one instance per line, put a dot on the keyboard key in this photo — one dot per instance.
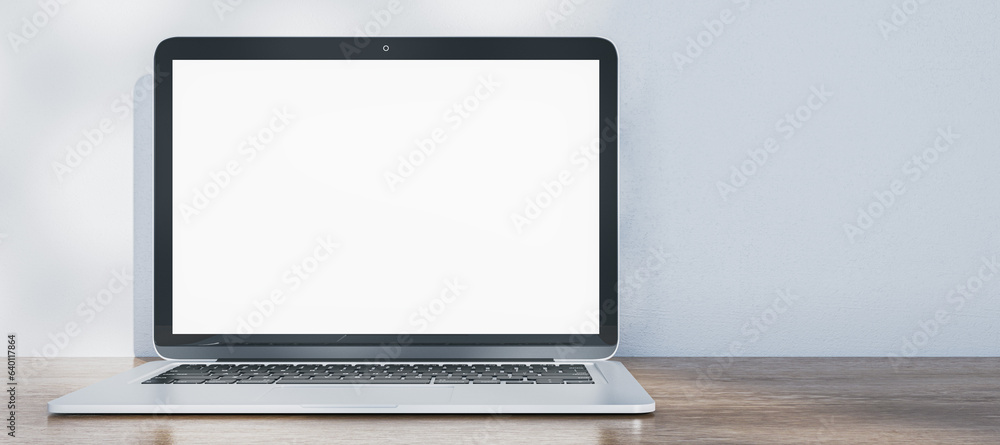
[450, 381]
[548, 381]
[295, 379]
[400, 382]
[157, 381]
[416, 380]
[314, 382]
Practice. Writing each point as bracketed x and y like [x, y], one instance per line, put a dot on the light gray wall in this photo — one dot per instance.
[896, 79]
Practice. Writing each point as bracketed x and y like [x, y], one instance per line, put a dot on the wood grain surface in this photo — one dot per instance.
[698, 400]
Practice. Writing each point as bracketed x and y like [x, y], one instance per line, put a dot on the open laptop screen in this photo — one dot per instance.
[385, 196]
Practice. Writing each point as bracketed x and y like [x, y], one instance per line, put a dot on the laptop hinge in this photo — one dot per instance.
[426, 360]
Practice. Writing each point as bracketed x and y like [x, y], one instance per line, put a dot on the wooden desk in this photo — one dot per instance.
[748, 400]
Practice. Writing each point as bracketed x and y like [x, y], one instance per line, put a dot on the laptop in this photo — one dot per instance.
[381, 225]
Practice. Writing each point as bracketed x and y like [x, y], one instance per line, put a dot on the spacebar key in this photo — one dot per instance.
[313, 382]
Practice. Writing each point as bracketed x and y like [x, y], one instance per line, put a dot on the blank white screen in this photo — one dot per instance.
[271, 157]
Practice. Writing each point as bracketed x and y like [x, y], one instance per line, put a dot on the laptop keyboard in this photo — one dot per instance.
[306, 374]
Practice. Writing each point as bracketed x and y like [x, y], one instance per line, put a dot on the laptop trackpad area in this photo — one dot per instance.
[356, 396]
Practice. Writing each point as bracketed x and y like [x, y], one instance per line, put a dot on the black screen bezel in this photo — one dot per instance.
[400, 48]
